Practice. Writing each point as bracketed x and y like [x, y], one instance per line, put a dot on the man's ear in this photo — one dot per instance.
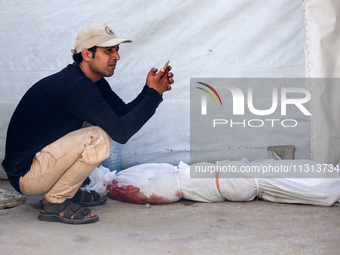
[86, 54]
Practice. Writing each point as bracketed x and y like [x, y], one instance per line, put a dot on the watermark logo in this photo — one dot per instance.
[268, 102]
[239, 100]
[204, 97]
[239, 118]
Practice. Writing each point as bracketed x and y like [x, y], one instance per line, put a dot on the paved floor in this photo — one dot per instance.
[184, 227]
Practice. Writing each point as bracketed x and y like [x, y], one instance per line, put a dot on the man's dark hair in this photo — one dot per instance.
[77, 57]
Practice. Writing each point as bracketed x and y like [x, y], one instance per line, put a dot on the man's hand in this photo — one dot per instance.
[160, 81]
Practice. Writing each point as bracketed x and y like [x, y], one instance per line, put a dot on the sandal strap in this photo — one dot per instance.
[70, 210]
[69, 207]
[96, 196]
[80, 214]
[78, 196]
[83, 196]
[78, 211]
[54, 208]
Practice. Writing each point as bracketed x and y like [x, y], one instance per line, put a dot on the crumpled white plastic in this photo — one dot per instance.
[99, 179]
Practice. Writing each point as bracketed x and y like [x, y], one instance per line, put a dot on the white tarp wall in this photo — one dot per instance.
[213, 38]
[323, 61]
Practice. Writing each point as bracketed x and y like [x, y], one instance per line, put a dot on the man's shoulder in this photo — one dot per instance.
[72, 75]
[72, 70]
[66, 82]
[102, 83]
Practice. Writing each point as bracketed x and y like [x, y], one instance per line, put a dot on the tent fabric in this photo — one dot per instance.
[212, 38]
[322, 61]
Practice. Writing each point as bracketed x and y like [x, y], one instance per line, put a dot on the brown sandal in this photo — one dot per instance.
[88, 199]
[73, 213]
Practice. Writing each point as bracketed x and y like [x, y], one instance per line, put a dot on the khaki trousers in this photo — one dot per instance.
[61, 167]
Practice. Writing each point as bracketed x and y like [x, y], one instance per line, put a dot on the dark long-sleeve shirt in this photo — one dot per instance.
[59, 104]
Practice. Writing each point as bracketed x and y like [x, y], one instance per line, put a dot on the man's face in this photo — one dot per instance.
[104, 62]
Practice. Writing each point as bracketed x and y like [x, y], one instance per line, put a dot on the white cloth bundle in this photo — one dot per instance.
[198, 189]
[164, 183]
[215, 189]
[146, 184]
[313, 191]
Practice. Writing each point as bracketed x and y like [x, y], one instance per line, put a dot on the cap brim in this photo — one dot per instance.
[113, 42]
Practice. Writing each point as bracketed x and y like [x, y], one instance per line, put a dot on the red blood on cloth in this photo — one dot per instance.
[133, 194]
[150, 183]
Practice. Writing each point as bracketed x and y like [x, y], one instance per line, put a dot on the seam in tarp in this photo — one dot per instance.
[308, 67]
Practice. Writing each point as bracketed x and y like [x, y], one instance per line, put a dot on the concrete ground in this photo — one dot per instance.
[184, 227]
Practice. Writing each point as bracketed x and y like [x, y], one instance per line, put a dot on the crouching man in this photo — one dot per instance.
[47, 151]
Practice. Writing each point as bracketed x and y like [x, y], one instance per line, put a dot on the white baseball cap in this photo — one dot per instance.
[97, 34]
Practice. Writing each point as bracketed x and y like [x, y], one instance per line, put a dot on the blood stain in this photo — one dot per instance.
[133, 194]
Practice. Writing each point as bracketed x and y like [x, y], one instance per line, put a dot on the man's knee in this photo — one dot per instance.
[101, 132]
[97, 147]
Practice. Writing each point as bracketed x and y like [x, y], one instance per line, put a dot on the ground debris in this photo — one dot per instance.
[10, 199]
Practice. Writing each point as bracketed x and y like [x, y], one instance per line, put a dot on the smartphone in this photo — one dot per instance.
[166, 65]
